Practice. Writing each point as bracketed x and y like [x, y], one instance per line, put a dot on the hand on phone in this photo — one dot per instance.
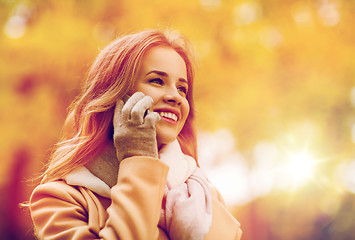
[134, 127]
[125, 99]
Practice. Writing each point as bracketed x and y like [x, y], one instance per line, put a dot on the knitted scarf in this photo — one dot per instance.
[187, 204]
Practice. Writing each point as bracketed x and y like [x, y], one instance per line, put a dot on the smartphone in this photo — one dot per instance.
[125, 98]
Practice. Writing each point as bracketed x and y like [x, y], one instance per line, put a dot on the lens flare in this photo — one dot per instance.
[299, 168]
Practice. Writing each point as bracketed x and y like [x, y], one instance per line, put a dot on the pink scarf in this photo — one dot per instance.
[187, 204]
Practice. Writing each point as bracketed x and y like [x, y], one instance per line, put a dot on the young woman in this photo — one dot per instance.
[126, 167]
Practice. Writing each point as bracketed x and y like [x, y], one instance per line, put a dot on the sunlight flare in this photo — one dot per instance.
[299, 168]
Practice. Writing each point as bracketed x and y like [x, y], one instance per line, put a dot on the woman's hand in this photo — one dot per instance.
[134, 129]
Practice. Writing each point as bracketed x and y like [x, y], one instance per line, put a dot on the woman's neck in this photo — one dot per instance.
[160, 146]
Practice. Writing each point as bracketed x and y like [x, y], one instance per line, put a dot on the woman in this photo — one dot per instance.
[126, 167]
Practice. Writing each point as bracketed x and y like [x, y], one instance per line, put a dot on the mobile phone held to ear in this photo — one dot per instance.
[125, 99]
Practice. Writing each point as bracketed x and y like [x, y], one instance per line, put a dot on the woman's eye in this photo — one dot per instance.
[157, 81]
[183, 90]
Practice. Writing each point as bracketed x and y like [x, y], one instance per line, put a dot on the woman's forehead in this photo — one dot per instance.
[164, 60]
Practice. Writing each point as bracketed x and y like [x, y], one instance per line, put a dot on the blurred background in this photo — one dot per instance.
[274, 91]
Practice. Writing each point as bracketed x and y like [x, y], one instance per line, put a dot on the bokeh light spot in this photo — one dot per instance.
[15, 27]
[247, 13]
[302, 14]
[329, 14]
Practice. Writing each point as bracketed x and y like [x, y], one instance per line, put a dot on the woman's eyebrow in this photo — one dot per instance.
[161, 73]
[183, 80]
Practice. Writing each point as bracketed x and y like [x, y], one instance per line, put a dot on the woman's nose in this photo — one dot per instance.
[173, 96]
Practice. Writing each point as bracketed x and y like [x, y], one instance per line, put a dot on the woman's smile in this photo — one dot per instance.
[170, 115]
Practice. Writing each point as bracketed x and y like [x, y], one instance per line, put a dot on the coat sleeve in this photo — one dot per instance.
[224, 225]
[60, 211]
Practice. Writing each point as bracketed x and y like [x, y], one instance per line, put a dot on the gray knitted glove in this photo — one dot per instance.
[134, 128]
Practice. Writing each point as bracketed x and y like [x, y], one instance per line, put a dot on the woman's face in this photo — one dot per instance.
[162, 75]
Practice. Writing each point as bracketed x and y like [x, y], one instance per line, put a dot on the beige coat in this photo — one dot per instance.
[63, 211]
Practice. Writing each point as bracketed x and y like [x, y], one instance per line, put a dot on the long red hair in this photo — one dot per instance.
[88, 126]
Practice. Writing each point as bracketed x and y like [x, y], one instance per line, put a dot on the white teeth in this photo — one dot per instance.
[169, 115]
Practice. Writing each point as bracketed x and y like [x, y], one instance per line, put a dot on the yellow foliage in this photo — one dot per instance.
[266, 69]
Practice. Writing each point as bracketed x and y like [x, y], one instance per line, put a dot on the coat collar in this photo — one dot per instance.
[100, 173]
[81, 176]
